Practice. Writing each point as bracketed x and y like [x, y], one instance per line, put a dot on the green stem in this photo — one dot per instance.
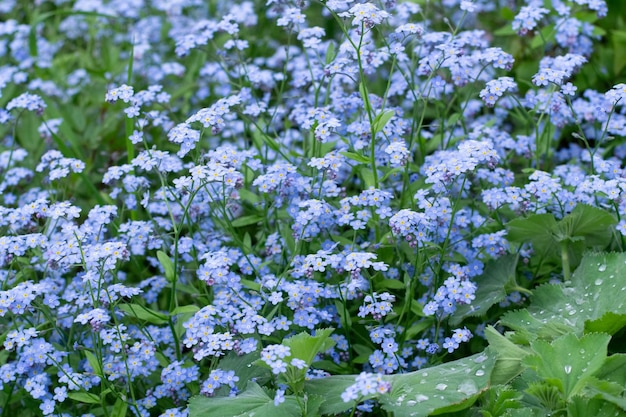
[565, 261]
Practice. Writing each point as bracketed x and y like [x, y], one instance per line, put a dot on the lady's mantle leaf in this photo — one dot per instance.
[597, 288]
[254, 401]
[569, 362]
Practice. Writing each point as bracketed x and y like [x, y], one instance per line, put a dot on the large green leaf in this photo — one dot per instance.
[591, 223]
[254, 401]
[569, 362]
[584, 227]
[444, 388]
[509, 362]
[330, 389]
[536, 228]
[491, 288]
[244, 368]
[596, 289]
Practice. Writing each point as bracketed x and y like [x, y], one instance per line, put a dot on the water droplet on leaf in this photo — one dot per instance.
[468, 387]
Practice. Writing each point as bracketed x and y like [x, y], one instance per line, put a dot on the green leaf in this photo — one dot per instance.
[537, 229]
[545, 36]
[510, 355]
[607, 390]
[568, 361]
[396, 172]
[491, 288]
[330, 53]
[356, 157]
[243, 367]
[596, 288]
[592, 223]
[382, 119]
[167, 264]
[506, 30]
[448, 387]
[507, 13]
[330, 389]
[255, 286]
[586, 407]
[367, 175]
[419, 327]
[304, 346]
[254, 401]
[143, 313]
[84, 397]
[392, 284]
[523, 412]
[609, 323]
[613, 369]
[497, 400]
[249, 196]
[119, 409]
[188, 309]
[94, 363]
[247, 220]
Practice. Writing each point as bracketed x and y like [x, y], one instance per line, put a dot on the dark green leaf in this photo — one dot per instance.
[254, 401]
[491, 288]
[537, 229]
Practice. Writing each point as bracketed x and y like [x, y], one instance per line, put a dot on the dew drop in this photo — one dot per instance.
[480, 359]
[441, 387]
[468, 387]
[480, 372]
[598, 281]
[411, 403]
[568, 369]
[602, 268]
[420, 398]
[572, 312]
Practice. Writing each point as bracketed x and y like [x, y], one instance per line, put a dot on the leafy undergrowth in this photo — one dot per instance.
[554, 361]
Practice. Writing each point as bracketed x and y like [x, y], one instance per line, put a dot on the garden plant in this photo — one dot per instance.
[312, 208]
